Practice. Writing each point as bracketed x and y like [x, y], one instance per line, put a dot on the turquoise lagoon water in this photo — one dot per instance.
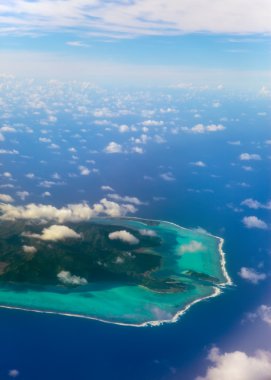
[129, 304]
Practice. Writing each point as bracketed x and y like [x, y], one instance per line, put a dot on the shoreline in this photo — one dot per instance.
[216, 289]
[174, 319]
[220, 244]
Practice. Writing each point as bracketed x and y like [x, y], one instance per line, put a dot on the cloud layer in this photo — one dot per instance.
[133, 18]
[71, 213]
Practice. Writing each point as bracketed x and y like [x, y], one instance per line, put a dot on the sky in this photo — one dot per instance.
[138, 42]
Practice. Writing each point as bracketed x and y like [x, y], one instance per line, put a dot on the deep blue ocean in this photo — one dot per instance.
[43, 347]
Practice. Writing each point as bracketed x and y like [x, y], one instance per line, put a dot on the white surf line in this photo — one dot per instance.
[220, 245]
[174, 319]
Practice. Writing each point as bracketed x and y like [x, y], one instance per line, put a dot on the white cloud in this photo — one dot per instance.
[140, 17]
[152, 123]
[249, 157]
[254, 222]
[69, 279]
[167, 176]
[124, 236]
[29, 249]
[119, 198]
[238, 365]
[200, 128]
[30, 175]
[71, 213]
[191, 247]
[137, 149]
[84, 170]
[76, 44]
[265, 91]
[9, 151]
[263, 312]
[123, 128]
[6, 198]
[22, 194]
[235, 142]
[7, 129]
[107, 188]
[113, 147]
[55, 233]
[251, 275]
[200, 164]
[46, 194]
[254, 204]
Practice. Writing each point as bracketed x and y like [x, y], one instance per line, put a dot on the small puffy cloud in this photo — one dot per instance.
[200, 164]
[152, 123]
[107, 188]
[249, 157]
[146, 232]
[247, 168]
[113, 209]
[265, 91]
[263, 313]
[29, 249]
[159, 139]
[6, 198]
[191, 247]
[7, 129]
[76, 44]
[123, 128]
[45, 140]
[84, 170]
[238, 365]
[254, 222]
[124, 236]
[216, 104]
[235, 142]
[22, 194]
[9, 151]
[251, 275]
[30, 175]
[119, 198]
[167, 176]
[254, 204]
[46, 194]
[55, 233]
[200, 128]
[113, 147]
[69, 279]
[137, 149]
[7, 175]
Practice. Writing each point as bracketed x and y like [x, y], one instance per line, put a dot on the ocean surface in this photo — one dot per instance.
[42, 346]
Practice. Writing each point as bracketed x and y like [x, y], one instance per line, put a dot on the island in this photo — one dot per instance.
[128, 271]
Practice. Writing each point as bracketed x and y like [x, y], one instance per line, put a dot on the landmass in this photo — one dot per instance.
[120, 270]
